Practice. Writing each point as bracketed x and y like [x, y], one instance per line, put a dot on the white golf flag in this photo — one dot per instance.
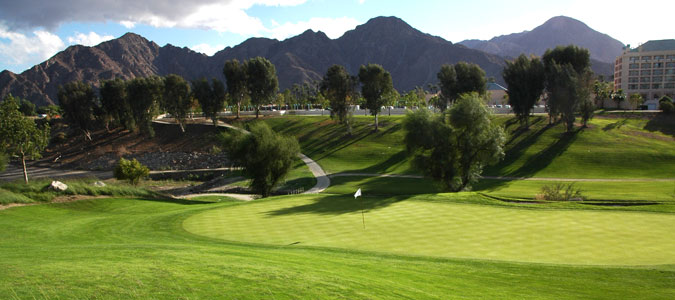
[358, 193]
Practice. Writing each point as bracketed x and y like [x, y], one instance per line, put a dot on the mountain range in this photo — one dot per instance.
[412, 57]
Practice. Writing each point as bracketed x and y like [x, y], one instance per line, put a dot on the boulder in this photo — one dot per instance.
[58, 186]
[99, 184]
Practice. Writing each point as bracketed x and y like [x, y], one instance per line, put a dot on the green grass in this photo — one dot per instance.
[613, 147]
[37, 190]
[446, 229]
[124, 248]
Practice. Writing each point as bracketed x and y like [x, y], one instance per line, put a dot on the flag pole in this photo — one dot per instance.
[363, 217]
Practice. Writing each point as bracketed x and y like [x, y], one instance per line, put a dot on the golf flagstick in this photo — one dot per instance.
[363, 218]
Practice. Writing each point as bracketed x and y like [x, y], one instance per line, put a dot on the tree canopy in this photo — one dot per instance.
[453, 147]
[144, 95]
[115, 103]
[261, 81]
[525, 81]
[340, 89]
[235, 78]
[176, 99]
[458, 79]
[78, 102]
[265, 155]
[376, 86]
[211, 97]
[20, 136]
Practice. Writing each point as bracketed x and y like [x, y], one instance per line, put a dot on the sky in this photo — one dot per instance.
[32, 31]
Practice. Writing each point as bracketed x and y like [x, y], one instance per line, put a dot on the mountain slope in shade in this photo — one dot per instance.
[554, 32]
[412, 57]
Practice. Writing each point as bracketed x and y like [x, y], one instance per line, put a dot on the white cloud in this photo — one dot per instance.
[90, 39]
[333, 28]
[207, 49]
[21, 48]
[128, 24]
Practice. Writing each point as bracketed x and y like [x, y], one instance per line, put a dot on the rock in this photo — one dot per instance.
[58, 186]
[99, 184]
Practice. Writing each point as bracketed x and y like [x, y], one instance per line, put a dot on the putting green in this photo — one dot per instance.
[413, 226]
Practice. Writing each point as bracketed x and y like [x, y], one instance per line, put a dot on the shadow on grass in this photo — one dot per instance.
[540, 161]
[340, 204]
[615, 125]
[662, 123]
[516, 151]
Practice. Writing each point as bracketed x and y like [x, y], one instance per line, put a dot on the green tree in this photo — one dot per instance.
[115, 103]
[618, 97]
[50, 110]
[586, 105]
[27, 108]
[265, 155]
[20, 136]
[131, 170]
[524, 78]
[567, 70]
[235, 78]
[177, 99]
[458, 79]
[376, 88]
[261, 81]
[455, 146]
[211, 97]
[144, 95]
[340, 89]
[602, 91]
[635, 100]
[78, 101]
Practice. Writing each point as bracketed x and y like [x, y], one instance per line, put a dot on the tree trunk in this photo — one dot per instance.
[238, 109]
[376, 121]
[257, 111]
[87, 134]
[23, 162]
[390, 111]
[182, 128]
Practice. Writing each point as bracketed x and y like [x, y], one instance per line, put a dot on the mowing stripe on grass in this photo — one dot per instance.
[447, 230]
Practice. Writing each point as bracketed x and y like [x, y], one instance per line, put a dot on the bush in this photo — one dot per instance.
[59, 138]
[131, 170]
[560, 192]
[666, 107]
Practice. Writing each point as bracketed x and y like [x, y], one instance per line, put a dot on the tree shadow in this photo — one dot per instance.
[516, 151]
[662, 123]
[340, 204]
[540, 161]
[615, 125]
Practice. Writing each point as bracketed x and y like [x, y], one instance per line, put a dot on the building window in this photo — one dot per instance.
[633, 73]
[656, 86]
[670, 65]
[646, 72]
[657, 78]
[670, 78]
[670, 71]
[632, 86]
[670, 56]
[633, 66]
[658, 72]
[644, 86]
[646, 58]
[658, 65]
[632, 79]
[658, 57]
[646, 65]
[669, 85]
[633, 59]
[644, 79]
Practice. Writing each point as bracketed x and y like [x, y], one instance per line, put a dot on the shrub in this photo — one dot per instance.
[59, 138]
[560, 192]
[131, 170]
[666, 107]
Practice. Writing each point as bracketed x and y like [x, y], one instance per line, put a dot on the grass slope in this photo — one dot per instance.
[121, 248]
[613, 147]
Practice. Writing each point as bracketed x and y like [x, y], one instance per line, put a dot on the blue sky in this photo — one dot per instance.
[31, 31]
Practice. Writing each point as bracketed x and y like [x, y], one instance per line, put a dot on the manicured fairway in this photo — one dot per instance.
[417, 226]
[136, 249]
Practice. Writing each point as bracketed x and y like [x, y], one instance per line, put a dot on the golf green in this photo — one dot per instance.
[416, 226]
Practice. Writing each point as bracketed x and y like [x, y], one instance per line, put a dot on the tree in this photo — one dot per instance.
[131, 170]
[115, 103]
[635, 100]
[211, 97]
[20, 136]
[176, 98]
[27, 108]
[567, 71]
[235, 77]
[78, 102]
[265, 155]
[524, 78]
[376, 88]
[144, 95]
[458, 79]
[340, 89]
[261, 81]
[602, 91]
[618, 97]
[453, 147]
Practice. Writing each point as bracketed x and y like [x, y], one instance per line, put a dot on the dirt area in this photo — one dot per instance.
[170, 148]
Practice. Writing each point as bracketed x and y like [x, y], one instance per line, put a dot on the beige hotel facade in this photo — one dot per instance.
[648, 70]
